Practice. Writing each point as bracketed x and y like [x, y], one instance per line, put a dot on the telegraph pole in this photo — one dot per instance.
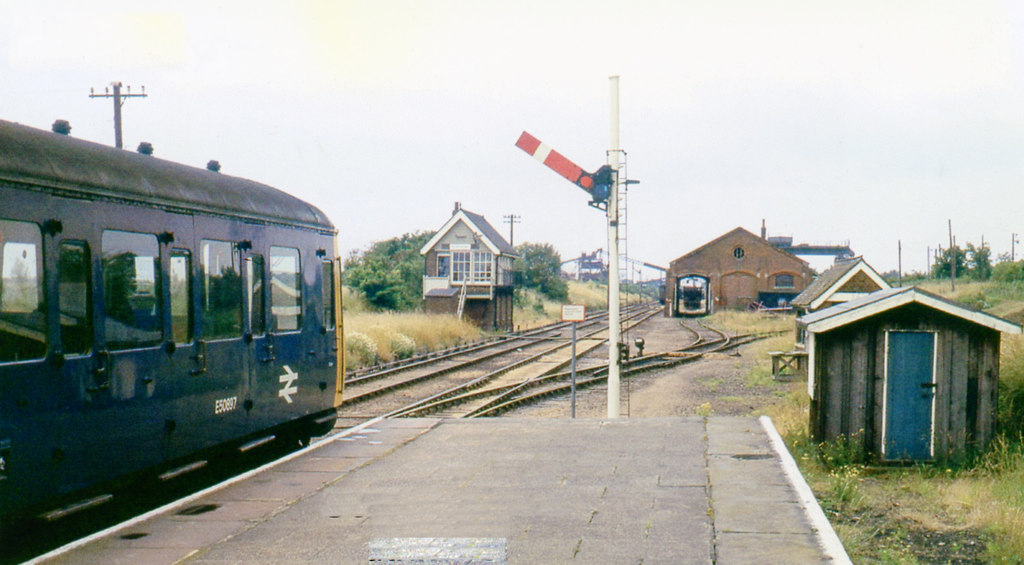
[512, 220]
[118, 102]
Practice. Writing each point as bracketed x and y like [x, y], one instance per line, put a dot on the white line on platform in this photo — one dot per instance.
[834, 549]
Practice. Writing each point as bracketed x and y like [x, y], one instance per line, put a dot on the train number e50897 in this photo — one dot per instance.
[225, 405]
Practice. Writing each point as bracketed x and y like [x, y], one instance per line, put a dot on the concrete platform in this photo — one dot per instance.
[679, 490]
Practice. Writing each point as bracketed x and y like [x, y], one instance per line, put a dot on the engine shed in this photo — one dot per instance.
[468, 271]
[906, 374]
[740, 270]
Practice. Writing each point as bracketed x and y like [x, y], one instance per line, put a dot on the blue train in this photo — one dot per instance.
[150, 314]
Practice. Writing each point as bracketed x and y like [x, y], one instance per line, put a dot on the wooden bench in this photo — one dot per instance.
[788, 365]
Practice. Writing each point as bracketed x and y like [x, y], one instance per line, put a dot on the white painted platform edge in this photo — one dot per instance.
[834, 549]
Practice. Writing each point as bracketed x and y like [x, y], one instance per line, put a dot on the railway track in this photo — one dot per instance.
[498, 378]
[396, 389]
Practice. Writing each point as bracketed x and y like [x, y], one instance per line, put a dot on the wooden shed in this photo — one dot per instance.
[909, 374]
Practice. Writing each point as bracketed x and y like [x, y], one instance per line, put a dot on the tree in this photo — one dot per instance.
[941, 268]
[979, 261]
[390, 273]
[539, 266]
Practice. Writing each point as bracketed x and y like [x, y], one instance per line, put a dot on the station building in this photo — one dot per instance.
[741, 270]
[468, 271]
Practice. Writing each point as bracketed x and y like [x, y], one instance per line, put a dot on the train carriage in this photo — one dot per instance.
[151, 312]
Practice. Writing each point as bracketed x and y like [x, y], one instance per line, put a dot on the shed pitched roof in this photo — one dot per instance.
[827, 284]
[890, 298]
[480, 226]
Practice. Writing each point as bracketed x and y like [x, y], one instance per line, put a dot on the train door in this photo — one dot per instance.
[126, 400]
[219, 387]
[261, 348]
[283, 379]
[27, 400]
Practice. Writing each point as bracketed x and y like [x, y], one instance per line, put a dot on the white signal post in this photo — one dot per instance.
[614, 319]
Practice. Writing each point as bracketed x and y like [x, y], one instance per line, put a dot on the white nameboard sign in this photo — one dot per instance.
[573, 313]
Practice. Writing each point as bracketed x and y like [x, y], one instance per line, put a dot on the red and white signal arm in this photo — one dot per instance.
[574, 312]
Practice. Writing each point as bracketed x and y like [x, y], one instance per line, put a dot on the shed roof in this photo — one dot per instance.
[480, 226]
[890, 298]
[827, 284]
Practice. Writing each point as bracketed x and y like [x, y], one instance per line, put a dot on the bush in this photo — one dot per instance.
[360, 350]
[402, 346]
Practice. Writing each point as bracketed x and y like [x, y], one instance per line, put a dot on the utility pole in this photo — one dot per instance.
[118, 102]
[952, 258]
[899, 253]
[512, 220]
[1013, 243]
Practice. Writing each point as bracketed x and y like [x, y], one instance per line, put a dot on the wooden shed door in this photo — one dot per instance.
[909, 396]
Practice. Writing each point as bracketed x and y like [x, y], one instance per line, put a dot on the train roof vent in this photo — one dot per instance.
[213, 165]
[146, 148]
[62, 127]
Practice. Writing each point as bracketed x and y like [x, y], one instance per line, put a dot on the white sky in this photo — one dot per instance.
[865, 121]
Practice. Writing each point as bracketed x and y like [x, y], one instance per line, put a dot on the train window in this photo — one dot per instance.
[181, 295]
[482, 266]
[75, 297]
[257, 304]
[460, 266]
[222, 290]
[131, 289]
[328, 294]
[285, 288]
[22, 310]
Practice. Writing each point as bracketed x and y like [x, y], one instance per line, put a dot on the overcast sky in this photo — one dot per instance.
[868, 122]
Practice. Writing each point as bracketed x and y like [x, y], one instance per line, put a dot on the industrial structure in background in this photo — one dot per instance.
[468, 271]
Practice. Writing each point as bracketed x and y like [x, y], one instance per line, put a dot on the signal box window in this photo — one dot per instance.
[131, 289]
[482, 266]
[22, 309]
[222, 290]
[257, 304]
[75, 286]
[443, 265]
[328, 294]
[181, 295]
[285, 288]
[460, 266]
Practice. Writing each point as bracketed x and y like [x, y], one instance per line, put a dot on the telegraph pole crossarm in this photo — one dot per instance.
[119, 98]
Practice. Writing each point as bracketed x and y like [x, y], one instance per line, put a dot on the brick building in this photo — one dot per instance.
[741, 270]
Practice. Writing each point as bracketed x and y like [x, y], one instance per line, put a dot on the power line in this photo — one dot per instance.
[118, 97]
